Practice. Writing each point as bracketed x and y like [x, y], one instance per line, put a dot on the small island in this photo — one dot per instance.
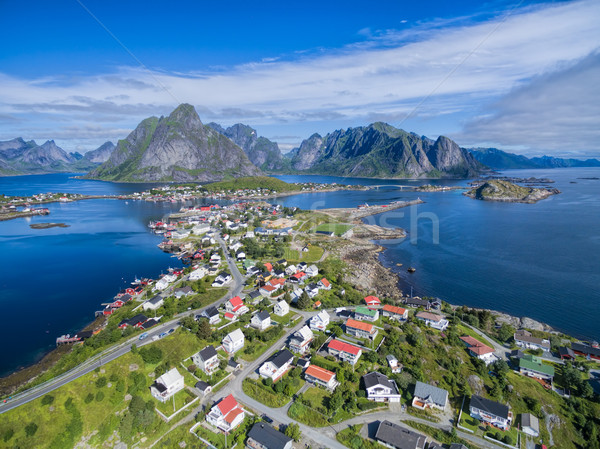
[48, 225]
[498, 190]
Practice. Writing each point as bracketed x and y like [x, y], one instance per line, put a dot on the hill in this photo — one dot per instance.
[380, 150]
[502, 160]
[252, 183]
[498, 190]
[175, 148]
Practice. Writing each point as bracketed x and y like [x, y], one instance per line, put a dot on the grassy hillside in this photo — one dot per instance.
[251, 183]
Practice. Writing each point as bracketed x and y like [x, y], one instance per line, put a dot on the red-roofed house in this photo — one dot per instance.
[372, 301]
[267, 290]
[344, 351]
[298, 277]
[479, 350]
[360, 329]
[320, 376]
[226, 414]
[269, 266]
[236, 306]
[324, 284]
[395, 313]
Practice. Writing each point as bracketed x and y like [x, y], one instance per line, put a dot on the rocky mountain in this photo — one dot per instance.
[380, 150]
[18, 157]
[502, 160]
[500, 190]
[100, 154]
[175, 148]
[261, 151]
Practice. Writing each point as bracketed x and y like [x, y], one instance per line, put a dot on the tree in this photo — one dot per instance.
[89, 398]
[31, 429]
[151, 354]
[304, 301]
[505, 332]
[204, 330]
[335, 401]
[47, 400]
[293, 431]
[101, 382]
[99, 396]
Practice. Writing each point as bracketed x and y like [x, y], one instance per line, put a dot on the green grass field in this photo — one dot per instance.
[337, 228]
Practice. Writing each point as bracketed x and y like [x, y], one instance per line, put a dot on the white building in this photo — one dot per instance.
[428, 396]
[312, 271]
[393, 362]
[261, 320]
[282, 308]
[290, 269]
[207, 360]
[300, 341]
[226, 414]
[530, 424]
[164, 282]
[433, 320]
[154, 303]
[320, 376]
[167, 385]
[380, 388]
[320, 321]
[198, 274]
[233, 341]
[276, 365]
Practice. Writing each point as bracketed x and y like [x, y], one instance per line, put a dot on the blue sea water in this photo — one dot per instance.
[537, 260]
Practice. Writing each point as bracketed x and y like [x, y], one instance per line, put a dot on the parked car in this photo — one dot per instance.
[164, 334]
[171, 330]
[267, 419]
[144, 335]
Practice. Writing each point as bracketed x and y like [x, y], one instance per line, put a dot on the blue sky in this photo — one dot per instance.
[515, 75]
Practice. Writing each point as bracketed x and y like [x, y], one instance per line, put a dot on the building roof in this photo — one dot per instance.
[394, 309]
[170, 377]
[429, 316]
[585, 349]
[339, 345]
[487, 405]
[236, 301]
[375, 378]
[523, 335]
[563, 351]
[211, 311]
[201, 385]
[364, 311]
[262, 315]
[254, 294]
[303, 363]
[319, 373]
[476, 346]
[280, 358]
[417, 302]
[304, 333]
[322, 315]
[230, 417]
[325, 282]
[268, 437]
[208, 353]
[372, 300]
[529, 420]
[235, 335]
[227, 404]
[359, 325]
[457, 446]
[435, 394]
[399, 437]
[533, 363]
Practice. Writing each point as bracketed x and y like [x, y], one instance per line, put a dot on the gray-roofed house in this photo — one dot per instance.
[207, 360]
[428, 396]
[261, 320]
[203, 387]
[212, 314]
[397, 437]
[530, 424]
[524, 339]
[276, 365]
[380, 388]
[491, 412]
[263, 436]
[154, 303]
[456, 446]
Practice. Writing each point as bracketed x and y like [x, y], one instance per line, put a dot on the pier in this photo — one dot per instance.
[366, 211]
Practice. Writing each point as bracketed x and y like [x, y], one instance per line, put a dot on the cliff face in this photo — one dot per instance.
[20, 157]
[380, 150]
[261, 151]
[100, 154]
[175, 148]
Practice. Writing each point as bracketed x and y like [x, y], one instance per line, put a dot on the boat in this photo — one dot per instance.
[136, 281]
[411, 269]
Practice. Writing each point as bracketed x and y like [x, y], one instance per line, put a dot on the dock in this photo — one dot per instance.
[366, 211]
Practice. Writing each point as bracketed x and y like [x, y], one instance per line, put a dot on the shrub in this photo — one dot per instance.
[99, 396]
[8, 435]
[47, 400]
[508, 440]
[89, 398]
[31, 429]
[101, 382]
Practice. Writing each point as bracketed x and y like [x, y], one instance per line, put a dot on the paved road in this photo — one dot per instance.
[117, 351]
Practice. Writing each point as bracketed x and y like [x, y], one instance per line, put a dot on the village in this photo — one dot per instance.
[260, 342]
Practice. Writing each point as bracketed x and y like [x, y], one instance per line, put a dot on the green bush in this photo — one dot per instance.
[31, 429]
[47, 400]
[99, 396]
[8, 434]
[101, 382]
[89, 398]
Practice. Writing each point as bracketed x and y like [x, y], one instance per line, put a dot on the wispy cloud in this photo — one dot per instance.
[381, 79]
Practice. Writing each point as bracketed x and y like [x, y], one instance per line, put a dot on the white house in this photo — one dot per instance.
[312, 290]
[380, 388]
[479, 350]
[198, 274]
[207, 360]
[236, 306]
[324, 284]
[491, 412]
[524, 339]
[264, 436]
[167, 385]
[241, 255]
[261, 320]
[234, 247]
[393, 362]
[282, 308]
[295, 295]
[164, 282]
[201, 228]
[320, 376]
[154, 303]
[290, 269]
[276, 365]
[344, 351]
[222, 278]
[394, 312]
[433, 320]
[300, 341]
[215, 258]
[312, 271]
[320, 321]
[428, 396]
[226, 414]
[233, 341]
[212, 314]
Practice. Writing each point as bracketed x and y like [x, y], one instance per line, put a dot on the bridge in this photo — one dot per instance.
[393, 186]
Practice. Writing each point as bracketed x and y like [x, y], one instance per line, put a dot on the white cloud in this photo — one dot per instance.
[387, 77]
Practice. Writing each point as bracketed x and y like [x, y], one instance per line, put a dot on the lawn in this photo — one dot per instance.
[317, 398]
[337, 228]
[351, 438]
[313, 254]
[263, 394]
[182, 398]
[464, 330]
[306, 415]
[253, 350]
[440, 435]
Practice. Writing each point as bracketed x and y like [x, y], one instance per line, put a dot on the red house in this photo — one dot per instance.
[372, 301]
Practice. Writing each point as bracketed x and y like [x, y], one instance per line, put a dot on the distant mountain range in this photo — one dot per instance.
[181, 148]
[18, 157]
[502, 160]
[175, 148]
[380, 150]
